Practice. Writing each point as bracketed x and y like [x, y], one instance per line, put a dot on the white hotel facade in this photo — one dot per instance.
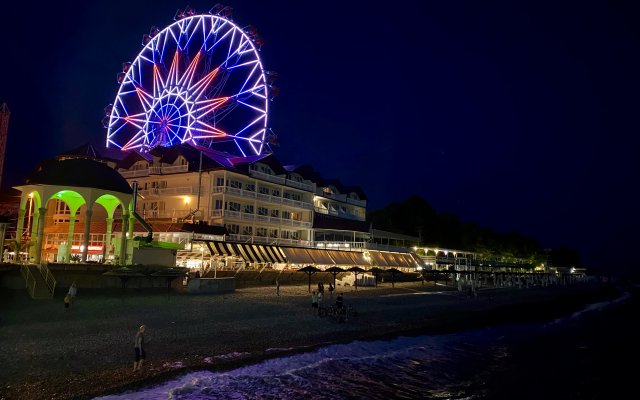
[235, 211]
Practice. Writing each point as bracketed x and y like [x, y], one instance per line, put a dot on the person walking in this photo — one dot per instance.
[139, 348]
[319, 302]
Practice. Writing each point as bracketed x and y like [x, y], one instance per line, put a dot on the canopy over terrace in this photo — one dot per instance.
[78, 183]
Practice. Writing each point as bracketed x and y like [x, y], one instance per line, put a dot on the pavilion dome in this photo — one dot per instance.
[79, 172]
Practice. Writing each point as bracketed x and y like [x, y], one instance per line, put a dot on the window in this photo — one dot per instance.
[250, 187]
[232, 228]
[273, 233]
[286, 214]
[158, 184]
[296, 196]
[219, 181]
[247, 230]
[343, 209]
[233, 206]
[263, 211]
[286, 195]
[295, 235]
[235, 184]
[295, 216]
[295, 178]
[275, 192]
[263, 190]
[62, 207]
[248, 209]
[275, 213]
[139, 165]
[261, 232]
[285, 234]
[217, 205]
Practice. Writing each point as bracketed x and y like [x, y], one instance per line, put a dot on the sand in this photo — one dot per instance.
[48, 352]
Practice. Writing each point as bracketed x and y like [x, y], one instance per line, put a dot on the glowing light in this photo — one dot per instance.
[200, 81]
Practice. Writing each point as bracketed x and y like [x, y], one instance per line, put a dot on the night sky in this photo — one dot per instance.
[520, 116]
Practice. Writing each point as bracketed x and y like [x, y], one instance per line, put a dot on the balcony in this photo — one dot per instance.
[262, 196]
[175, 191]
[134, 173]
[170, 169]
[169, 214]
[360, 203]
[282, 181]
[267, 240]
[237, 215]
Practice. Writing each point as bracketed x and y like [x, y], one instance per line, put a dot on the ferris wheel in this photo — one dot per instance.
[199, 81]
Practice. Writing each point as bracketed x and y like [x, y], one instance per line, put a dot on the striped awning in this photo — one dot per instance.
[223, 249]
[297, 255]
[341, 257]
[378, 259]
[320, 257]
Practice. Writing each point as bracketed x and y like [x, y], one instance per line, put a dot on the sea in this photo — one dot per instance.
[590, 354]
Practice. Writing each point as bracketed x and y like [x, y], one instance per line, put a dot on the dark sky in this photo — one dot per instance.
[519, 116]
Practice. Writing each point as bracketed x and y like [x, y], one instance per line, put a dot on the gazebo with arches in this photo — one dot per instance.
[82, 184]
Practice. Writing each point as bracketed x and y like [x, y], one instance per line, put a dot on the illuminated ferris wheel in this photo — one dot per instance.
[198, 81]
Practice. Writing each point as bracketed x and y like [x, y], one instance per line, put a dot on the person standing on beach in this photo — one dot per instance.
[73, 291]
[314, 299]
[139, 348]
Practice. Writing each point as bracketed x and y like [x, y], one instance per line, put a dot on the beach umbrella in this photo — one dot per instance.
[393, 271]
[334, 271]
[309, 270]
[376, 272]
[170, 274]
[356, 270]
[124, 273]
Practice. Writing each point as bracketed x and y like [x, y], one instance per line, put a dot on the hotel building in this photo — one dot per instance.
[231, 211]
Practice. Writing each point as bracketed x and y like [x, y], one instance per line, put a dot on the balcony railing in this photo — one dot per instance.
[135, 173]
[267, 240]
[259, 218]
[169, 169]
[338, 214]
[262, 196]
[169, 191]
[282, 181]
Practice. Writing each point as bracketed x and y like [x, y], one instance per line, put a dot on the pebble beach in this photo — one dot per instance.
[49, 352]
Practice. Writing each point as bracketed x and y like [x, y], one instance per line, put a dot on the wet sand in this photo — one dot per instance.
[48, 352]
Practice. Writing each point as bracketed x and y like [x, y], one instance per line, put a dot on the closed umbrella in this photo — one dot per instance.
[170, 274]
[124, 273]
[356, 270]
[334, 271]
[376, 272]
[309, 270]
[393, 271]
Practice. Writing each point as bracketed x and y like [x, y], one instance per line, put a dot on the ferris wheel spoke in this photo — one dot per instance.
[250, 125]
[242, 65]
[209, 106]
[208, 129]
[250, 106]
[191, 69]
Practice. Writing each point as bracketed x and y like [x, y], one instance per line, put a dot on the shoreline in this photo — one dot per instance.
[381, 317]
